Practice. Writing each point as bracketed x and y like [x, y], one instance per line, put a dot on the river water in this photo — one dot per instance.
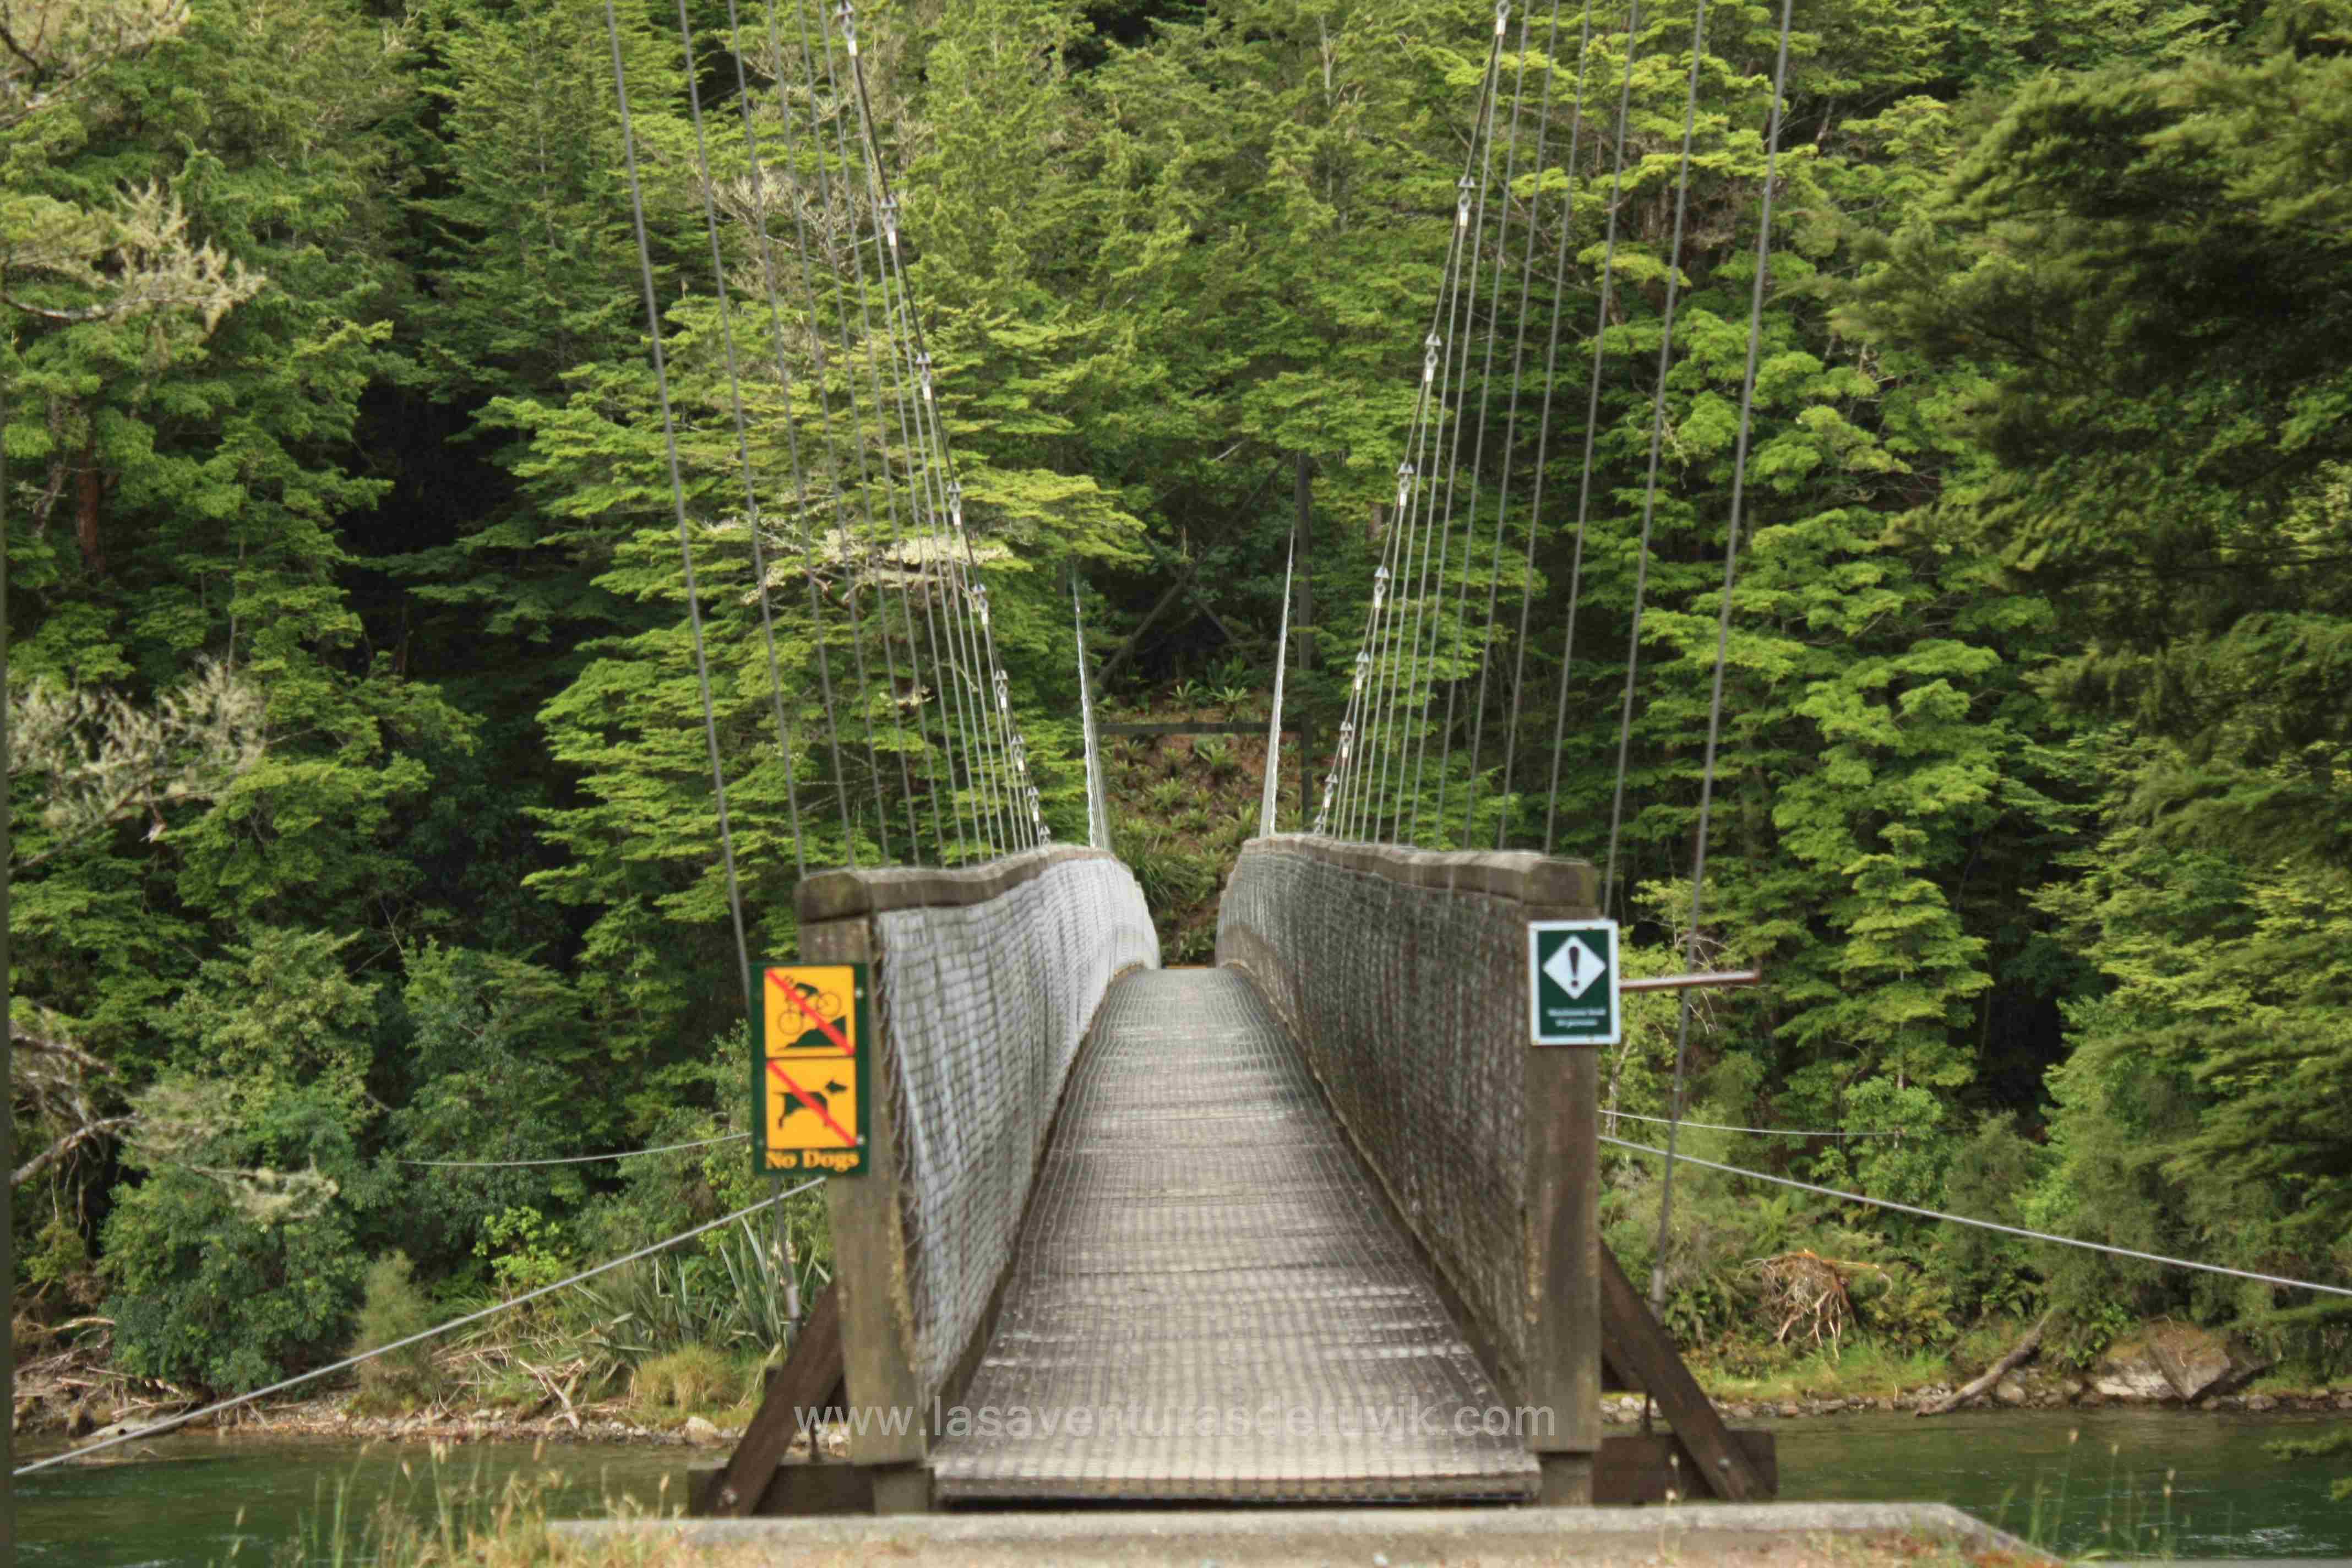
[2081, 1482]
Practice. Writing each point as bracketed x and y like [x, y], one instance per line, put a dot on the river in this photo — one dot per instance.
[2084, 1482]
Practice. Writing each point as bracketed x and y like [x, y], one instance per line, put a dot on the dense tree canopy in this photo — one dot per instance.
[360, 791]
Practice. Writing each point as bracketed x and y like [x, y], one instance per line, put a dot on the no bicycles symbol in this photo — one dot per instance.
[1572, 983]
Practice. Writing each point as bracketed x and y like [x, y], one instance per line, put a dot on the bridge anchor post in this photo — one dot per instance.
[1563, 1188]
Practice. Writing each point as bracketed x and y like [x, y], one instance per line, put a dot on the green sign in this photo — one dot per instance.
[1572, 983]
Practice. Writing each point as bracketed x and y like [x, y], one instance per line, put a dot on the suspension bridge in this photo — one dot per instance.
[1319, 1222]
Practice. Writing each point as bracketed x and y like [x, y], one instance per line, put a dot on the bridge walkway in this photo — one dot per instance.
[1208, 1299]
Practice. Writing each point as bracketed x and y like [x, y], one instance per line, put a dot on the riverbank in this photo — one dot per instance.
[330, 1419]
[2158, 1366]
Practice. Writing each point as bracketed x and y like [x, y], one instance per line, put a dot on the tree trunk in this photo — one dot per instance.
[90, 490]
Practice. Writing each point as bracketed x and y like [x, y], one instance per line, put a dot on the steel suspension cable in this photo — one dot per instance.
[2017, 1230]
[1511, 425]
[1543, 435]
[1358, 785]
[1339, 784]
[1657, 443]
[1722, 629]
[1389, 580]
[926, 525]
[930, 432]
[1436, 525]
[824, 392]
[1270, 784]
[1356, 728]
[852, 546]
[1398, 663]
[572, 1159]
[856, 548]
[924, 498]
[1389, 669]
[743, 431]
[1477, 459]
[743, 99]
[963, 584]
[973, 692]
[1373, 672]
[677, 504]
[1097, 799]
[989, 824]
[1756, 1132]
[1012, 748]
[1592, 423]
[873, 364]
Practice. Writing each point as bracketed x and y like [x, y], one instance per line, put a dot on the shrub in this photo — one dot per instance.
[692, 1377]
[392, 1309]
[227, 1271]
[1907, 1310]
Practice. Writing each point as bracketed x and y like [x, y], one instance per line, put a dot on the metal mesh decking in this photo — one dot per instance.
[1208, 1300]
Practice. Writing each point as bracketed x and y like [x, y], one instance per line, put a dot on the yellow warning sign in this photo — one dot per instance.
[811, 1088]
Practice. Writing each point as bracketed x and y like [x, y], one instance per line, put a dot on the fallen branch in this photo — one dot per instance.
[2019, 1353]
[105, 1128]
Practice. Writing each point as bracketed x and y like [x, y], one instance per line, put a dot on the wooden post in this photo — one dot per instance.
[1563, 1187]
[1645, 1355]
[869, 1251]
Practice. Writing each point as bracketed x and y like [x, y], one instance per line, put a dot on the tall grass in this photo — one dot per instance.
[435, 1516]
[2131, 1522]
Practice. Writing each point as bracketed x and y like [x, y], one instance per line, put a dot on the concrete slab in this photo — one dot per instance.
[1753, 1535]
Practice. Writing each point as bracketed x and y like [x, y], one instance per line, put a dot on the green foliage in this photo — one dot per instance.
[392, 1308]
[227, 1270]
[1907, 1309]
[493, 1072]
[2147, 265]
[2191, 1115]
[1990, 1176]
[362, 813]
[521, 1248]
[2326, 1446]
[236, 1255]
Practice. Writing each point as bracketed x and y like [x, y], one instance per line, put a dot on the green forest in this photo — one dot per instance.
[361, 813]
